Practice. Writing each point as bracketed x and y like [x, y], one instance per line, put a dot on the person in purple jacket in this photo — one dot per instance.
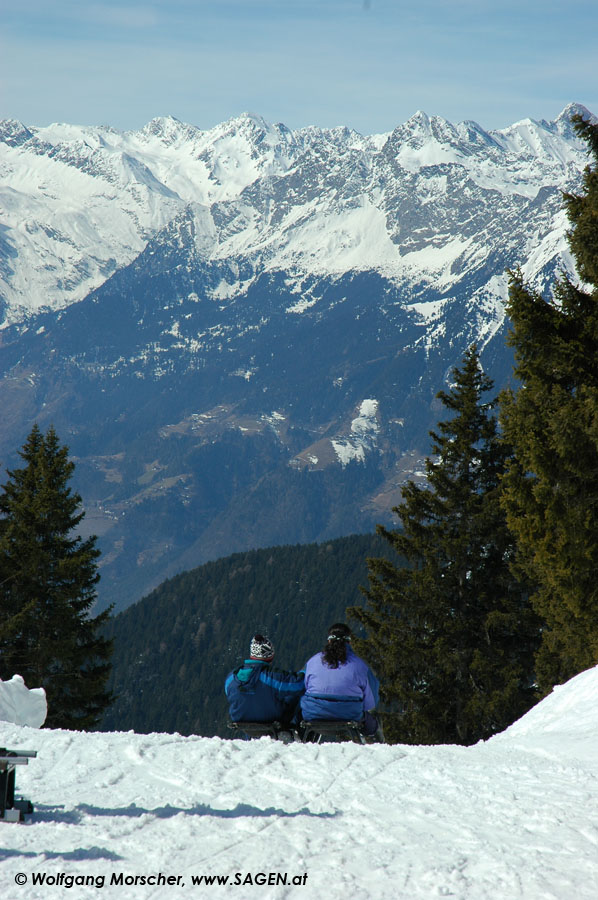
[339, 684]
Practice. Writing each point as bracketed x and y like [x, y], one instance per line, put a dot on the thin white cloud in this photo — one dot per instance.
[321, 62]
[121, 17]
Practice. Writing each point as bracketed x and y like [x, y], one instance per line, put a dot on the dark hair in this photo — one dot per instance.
[335, 651]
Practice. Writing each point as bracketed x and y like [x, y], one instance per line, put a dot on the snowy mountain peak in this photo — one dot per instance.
[14, 133]
[563, 125]
[574, 109]
[416, 128]
[253, 120]
[252, 135]
[544, 142]
[419, 119]
[169, 130]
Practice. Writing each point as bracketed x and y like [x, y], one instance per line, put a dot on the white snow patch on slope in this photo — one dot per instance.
[366, 422]
[364, 430]
[514, 817]
[349, 239]
[437, 260]
[301, 305]
[428, 311]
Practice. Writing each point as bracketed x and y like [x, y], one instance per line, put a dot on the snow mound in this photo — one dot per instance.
[20, 705]
[570, 708]
[565, 722]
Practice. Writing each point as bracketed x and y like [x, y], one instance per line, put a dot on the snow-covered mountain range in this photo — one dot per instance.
[241, 332]
[77, 203]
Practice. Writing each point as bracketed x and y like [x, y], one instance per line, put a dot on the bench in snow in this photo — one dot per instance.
[12, 809]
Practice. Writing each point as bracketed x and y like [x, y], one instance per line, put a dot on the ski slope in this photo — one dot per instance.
[118, 815]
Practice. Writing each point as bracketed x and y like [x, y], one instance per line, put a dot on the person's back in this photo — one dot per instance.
[339, 684]
[256, 692]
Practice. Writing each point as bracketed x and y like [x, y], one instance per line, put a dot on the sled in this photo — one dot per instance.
[319, 730]
[276, 730]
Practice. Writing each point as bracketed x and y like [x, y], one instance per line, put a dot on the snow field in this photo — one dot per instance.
[515, 817]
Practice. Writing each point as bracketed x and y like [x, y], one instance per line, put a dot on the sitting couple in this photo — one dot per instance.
[335, 685]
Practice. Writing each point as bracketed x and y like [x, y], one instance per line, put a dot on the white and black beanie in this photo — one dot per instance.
[261, 648]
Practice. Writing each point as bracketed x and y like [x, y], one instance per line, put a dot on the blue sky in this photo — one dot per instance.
[368, 64]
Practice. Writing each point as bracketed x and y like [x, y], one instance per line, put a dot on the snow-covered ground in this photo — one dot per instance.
[515, 817]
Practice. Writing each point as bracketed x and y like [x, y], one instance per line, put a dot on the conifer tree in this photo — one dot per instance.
[47, 587]
[551, 487]
[451, 634]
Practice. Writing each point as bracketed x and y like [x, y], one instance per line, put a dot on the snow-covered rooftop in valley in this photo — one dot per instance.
[514, 817]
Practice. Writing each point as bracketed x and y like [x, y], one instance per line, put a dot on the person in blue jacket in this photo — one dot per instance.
[258, 693]
[339, 684]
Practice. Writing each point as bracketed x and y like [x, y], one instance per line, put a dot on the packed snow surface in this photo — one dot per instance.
[117, 815]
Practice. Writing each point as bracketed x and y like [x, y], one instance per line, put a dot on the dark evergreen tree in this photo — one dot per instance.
[451, 635]
[551, 487]
[47, 587]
